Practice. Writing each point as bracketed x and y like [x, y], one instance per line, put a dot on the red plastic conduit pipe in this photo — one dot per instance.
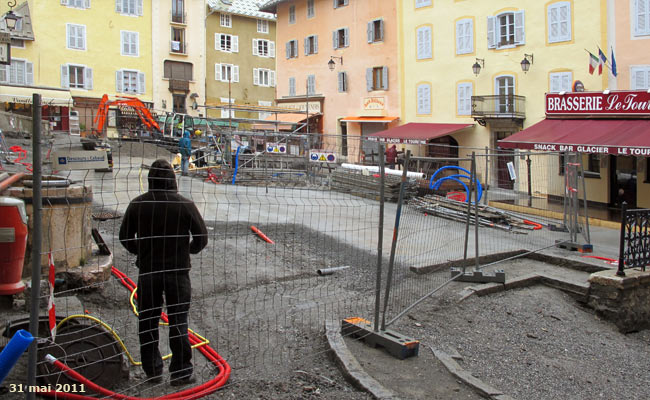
[196, 392]
[260, 234]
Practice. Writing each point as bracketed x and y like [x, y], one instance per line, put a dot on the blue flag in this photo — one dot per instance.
[614, 72]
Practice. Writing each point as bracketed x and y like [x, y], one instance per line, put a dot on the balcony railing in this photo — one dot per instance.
[497, 106]
[178, 17]
[180, 85]
[177, 47]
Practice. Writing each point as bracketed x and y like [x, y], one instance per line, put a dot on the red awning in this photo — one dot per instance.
[416, 133]
[605, 136]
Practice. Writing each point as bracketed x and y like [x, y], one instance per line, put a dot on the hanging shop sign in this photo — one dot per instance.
[322, 156]
[594, 104]
[80, 160]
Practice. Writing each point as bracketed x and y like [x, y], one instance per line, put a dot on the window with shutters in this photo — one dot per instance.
[263, 48]
[343, 82]
[292, 86]
[377, 78]
[19, 72]
[263, 77]
[292, 49]
[311, 45]
[375, 31]
[76, 76]
[640, 77]
[177, 70]
[292, 14]
[310, 9]
[640, 17]
[560, 81]
[464, 100]
[128, 7]
[559, 22]
[227, 112]
[506, 30]
[341, 38]
[424, 50]
[76, 36]
[422, 3]
[76, 3]
[262, 26]
[226, 73]
[465, 36]
[311, 84]
[225, 20]
[130, 43]
[340, 3]
[129, 81]
[226, 43]
[424, 99]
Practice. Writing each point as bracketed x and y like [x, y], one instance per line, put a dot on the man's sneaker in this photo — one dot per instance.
[183, 381]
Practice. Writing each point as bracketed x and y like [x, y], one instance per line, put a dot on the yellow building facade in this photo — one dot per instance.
[80, 49]
[461, 62]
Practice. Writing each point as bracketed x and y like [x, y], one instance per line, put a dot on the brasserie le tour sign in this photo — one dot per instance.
[598, 104]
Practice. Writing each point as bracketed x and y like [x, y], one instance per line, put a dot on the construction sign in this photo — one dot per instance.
[276, 148]
[322, 156]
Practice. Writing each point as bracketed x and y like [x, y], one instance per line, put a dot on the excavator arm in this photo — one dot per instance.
[141, 110]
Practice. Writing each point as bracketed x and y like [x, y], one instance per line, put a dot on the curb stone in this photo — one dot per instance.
[350, 367]
[455, 369]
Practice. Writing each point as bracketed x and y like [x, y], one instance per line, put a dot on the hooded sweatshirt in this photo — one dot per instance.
[162, 227]
[185, 145]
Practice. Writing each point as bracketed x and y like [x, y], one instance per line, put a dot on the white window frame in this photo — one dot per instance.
[87, 73]
[263, 77]
[500, 106]
[640, 20]
[464, 93]
[270, 48]
[231, 69]
[225, 20]
[80, 4]
[556, 9]
[9, 71]
[264, 103]
[422, 3]
[234, 43]
[262, 26]
[123, 7]
[465, 36]
[518, 30]
[140, 86]
[423, 93]
[292, 14]
[134, 48]
[225, 112]
[424, 42]
[292, 86]
[640, 77]
[311, 9]
[69, 28]
[560, 81]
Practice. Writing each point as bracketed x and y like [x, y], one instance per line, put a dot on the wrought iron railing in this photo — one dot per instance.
[634, 244]
[497, 106]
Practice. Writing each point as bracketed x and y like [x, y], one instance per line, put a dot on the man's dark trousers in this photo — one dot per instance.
[176, 287]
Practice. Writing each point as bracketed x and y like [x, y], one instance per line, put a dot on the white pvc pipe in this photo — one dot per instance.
[375, 169]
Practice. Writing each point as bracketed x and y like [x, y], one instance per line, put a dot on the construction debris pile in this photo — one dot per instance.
[358, 184]
[487, 216]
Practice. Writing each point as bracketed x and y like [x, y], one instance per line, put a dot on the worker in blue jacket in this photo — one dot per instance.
[185, 148]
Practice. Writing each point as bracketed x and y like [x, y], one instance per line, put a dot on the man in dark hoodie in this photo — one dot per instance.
[157, 227]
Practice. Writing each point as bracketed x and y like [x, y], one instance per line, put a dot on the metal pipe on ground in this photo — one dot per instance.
[330, 271]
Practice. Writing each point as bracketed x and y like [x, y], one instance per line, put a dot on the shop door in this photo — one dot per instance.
[622, 178]
[370, 147]
[504, 157]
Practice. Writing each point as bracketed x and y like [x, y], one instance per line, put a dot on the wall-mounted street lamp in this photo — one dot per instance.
[480, 62]
[195, 104]
[331, 64]
[10, 18]
[526, 62]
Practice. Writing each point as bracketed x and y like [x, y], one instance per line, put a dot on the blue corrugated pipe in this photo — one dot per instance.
[234, 175]
[12, 351]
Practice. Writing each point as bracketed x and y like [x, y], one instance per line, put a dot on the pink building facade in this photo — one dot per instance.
[343, 56]
[629, 35]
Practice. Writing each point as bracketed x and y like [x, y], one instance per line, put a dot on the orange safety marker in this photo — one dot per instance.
[260, 234]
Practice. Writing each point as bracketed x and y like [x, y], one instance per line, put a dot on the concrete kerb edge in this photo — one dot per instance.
[351, 368]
